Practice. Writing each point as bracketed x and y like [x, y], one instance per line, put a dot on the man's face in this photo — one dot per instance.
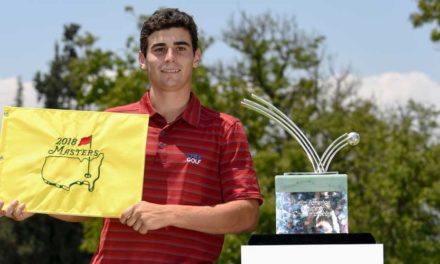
[170, 59]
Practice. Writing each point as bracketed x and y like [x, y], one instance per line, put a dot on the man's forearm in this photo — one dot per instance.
[232, 217]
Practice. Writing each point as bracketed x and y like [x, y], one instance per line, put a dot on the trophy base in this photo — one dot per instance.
[311, 239]
[311, 203]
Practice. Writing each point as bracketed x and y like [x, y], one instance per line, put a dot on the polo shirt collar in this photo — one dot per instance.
[146, 105]
[191, 114]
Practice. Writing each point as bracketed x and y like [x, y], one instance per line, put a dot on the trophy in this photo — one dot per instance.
[308, 202]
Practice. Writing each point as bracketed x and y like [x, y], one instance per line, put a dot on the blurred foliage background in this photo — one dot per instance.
[393, 172]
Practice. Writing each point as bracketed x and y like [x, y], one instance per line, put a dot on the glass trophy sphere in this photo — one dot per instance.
[353, 138]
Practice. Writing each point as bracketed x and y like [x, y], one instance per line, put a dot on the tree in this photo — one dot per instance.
[42, 239]
[428, 13]
[398, 186]
[19, 95]
[53, 88]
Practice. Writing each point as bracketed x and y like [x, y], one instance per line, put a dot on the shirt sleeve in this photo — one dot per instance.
[238, 178]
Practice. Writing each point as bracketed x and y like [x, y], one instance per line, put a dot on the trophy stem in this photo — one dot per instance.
[331, 146]
[330, 155]
[292, 130]
[320, 164]
[311, 149]
[351, 138]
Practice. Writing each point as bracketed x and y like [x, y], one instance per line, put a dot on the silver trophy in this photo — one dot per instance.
[307, 202]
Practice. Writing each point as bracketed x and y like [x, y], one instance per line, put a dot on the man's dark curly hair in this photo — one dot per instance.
[166, 18]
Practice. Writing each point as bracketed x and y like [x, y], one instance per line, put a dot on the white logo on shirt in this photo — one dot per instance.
[193, 158]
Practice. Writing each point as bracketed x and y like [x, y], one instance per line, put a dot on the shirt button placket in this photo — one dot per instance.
[162, 134]
[162, 155]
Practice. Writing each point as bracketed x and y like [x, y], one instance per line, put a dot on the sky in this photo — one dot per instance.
[375, 38]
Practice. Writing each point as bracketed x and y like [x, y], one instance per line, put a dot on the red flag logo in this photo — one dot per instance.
[85, 140]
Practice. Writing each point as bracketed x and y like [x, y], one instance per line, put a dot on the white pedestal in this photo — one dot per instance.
[313, 254]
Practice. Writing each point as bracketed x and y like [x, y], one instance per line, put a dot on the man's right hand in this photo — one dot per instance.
[15, 211]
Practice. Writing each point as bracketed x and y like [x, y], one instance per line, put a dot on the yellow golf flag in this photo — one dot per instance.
[72, 162]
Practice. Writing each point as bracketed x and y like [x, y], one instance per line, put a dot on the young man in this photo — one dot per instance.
[199, 181]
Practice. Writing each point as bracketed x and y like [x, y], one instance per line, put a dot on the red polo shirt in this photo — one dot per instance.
[201, 158]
